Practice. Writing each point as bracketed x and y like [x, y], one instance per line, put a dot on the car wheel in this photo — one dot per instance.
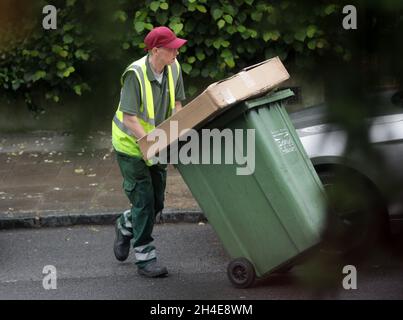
[356, 216]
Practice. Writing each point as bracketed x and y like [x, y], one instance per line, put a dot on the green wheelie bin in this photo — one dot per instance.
[270, 217]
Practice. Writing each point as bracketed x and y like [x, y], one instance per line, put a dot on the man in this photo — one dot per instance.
[152, 90]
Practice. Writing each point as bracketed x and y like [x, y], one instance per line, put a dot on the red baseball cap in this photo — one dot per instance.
[163, 37]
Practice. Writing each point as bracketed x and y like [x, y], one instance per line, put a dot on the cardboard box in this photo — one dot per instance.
[218, 97]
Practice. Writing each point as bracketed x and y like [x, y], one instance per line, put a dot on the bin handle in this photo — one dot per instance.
[270, 98]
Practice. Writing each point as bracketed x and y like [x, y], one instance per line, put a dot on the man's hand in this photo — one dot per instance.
[178, 106]
[133, 124]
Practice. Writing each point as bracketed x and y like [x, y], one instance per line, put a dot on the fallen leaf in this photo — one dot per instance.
[79, 170]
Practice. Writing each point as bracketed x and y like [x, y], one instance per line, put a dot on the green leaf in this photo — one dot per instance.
[68, 71]
[256, 16]
[330, 9]
[39, 75]
[253, 33]
[70, 3]
[186, 68]
[77, 89]
[56, 98]
[231, 29]
[217, 13]
[200, 55]
[201, 8]
[164, 6]
[15, 85]
[56, 48]
[119, 15]
[177, 28]
[241, 28]
[154, 6]
[139, 26]
[63, 53]
[230, 62]
[266, 36]
[220, 23]
[226, 54]
[148, 26]
[68, 39]
[125, 46]
[228, 18]
[191, 59]
[311, 30]
[275, 35]
[81, 54]
[217, 43]
[225, 44]
[312, 44]
[249, 2]
[68, 27]
[230, 9]
[300, 35]
[61, 65]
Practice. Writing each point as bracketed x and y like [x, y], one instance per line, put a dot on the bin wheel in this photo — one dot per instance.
[241, 273]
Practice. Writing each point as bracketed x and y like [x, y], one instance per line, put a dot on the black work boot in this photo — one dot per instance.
[152, 270]
[121, 246]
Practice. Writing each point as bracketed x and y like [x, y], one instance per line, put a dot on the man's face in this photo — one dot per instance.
[167, 55]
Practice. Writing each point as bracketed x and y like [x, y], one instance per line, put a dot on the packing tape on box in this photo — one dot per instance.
[247, 79]
[228, 96]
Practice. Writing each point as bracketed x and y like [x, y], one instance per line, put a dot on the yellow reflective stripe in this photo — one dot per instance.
[171, 88]
[122, 126]
[141, 81]
[149, 93]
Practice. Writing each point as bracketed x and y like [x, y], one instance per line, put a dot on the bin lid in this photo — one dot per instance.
[230, 114]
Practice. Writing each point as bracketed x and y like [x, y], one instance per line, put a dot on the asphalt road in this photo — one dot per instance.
[87, 269]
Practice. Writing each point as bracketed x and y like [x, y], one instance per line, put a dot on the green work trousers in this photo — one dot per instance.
[145, 187]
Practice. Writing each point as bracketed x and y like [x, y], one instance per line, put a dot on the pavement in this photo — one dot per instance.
[50, 179]
[84, 267]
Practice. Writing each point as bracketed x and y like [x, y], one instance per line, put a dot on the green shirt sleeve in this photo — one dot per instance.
[180, 89]
[130, 94]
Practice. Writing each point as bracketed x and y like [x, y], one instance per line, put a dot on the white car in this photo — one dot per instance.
[369, 201]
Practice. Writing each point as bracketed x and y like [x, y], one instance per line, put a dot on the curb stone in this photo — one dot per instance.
[65, 220]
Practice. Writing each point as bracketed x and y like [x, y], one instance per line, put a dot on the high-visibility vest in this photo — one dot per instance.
[123, 139]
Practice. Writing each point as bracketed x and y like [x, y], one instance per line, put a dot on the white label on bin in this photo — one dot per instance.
[228, 96]
[283, 140]
[247, 79]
